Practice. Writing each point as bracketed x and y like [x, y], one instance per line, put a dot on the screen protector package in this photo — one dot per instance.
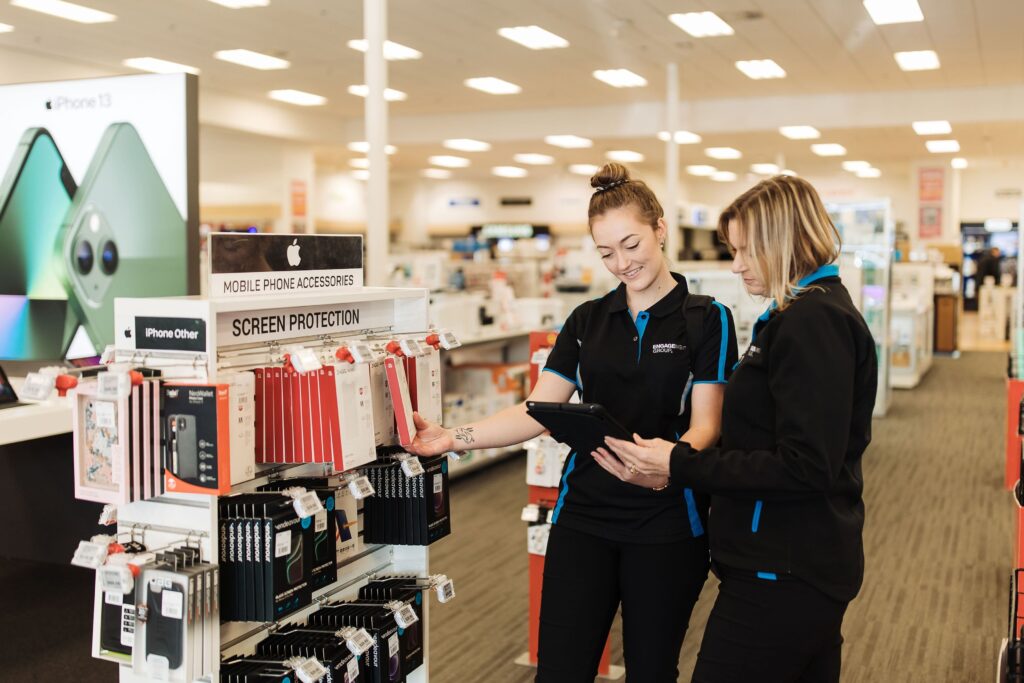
[402, 590]
[383, 662]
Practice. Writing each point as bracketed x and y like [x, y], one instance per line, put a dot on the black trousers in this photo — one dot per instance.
[585, 579]
[783, 631]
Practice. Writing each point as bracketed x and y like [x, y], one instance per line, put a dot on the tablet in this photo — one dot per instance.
[581, 426]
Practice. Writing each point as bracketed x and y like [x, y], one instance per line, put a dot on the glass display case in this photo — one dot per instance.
[868, 234]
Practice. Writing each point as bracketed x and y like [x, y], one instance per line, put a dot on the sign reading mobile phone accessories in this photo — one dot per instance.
[308, 321]
[244, 264]
[170, 334]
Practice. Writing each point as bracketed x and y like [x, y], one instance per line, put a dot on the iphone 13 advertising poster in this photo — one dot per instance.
[98, 200]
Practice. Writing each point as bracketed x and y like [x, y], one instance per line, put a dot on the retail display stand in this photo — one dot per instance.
[242, 333]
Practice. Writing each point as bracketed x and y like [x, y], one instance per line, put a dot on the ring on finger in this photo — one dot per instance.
[633, 469]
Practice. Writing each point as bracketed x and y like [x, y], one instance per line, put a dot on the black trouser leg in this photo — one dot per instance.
[578, 603]
[659, 585]
[771, 632]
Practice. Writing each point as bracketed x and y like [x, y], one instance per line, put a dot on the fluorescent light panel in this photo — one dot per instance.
[683, 137]
[492, 85]
[253, 60]
[298, 97]
[942, 146]
[869, 173]
[958, 162]
[569, 141]
[159, 66]
[620, 78]
[361, 174]
[723, 176]
[919, 60]
[761, 69]
[241, 4]
[66, 10]
[723, 153]
[467, 145]
[800, 132]
[393, 52]
[765, 169]
[448, 161]
[436, 173]
[533, 37]
[855, 166]
[509, 171]
[932, 127]
[584, 169]
[829, 149]
[701, 24]
[893, 11]
[534, 159]
[359, 163]
[625, 156]
[6, 28]
[788, 172]
[363, 147]
[701, 170]
[390, 94]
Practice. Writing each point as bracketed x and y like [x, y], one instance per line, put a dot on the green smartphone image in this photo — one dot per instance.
[123, 235]
[36, 322]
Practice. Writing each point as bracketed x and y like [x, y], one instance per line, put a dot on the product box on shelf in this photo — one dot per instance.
[197, 438]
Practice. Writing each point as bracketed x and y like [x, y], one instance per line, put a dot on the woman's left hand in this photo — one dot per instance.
[643, 456]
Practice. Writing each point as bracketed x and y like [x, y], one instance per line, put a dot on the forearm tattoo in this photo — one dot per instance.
[464, 434]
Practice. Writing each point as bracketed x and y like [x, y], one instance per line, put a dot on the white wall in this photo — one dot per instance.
[979, 185]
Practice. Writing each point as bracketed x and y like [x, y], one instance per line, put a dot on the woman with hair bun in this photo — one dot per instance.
[785, 483]
[657, 358]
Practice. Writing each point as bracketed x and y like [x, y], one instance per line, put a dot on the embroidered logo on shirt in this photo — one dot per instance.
[752, 353]
[667, 348]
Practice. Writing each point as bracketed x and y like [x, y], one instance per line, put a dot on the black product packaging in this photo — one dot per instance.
[383, 662]
[289, 557]
[438, 518]
[403, 590]
[324, 645]
[324, 536]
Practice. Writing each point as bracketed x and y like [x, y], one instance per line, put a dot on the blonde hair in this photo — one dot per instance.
[789, 234]
[615, 189]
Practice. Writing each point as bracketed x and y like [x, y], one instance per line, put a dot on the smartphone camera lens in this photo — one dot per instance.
[84, 257]
[108, 258]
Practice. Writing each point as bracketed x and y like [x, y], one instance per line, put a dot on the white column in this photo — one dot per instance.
[376, 74]
[674, 238]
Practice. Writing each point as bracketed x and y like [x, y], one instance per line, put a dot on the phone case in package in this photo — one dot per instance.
[101, 440]
[163, 637]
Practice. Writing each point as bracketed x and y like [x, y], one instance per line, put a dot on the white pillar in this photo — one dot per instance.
[674, 238]
[376, 111]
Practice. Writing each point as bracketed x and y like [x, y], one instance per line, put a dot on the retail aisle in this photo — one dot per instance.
[939, 542]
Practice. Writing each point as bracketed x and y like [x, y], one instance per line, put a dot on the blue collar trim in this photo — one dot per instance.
[831, 270]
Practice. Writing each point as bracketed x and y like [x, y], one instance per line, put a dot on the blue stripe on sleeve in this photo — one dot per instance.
[724, 343]
[767, 576]
[556, 372]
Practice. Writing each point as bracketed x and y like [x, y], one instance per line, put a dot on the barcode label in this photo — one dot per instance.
[282, 543]
[172, 604]
[412, 466]
[438, 483]
[393, 645]
[446, 591]
[405, 616]
[361, 488]
[113, 598]
[308, 504]
[353, 670]
[310, 671]
[320, 522]
[359, 642]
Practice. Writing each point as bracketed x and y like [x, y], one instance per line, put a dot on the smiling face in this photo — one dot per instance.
[629, 248]
[742, 262]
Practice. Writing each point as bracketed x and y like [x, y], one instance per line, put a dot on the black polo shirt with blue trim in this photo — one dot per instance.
[642, 371]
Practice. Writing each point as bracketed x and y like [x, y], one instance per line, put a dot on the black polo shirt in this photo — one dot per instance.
[786, 482]
[642, 372]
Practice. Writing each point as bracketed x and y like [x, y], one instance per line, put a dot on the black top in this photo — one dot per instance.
[786, 482]
[642, 372]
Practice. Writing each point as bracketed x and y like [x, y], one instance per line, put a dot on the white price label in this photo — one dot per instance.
[359, 642]
[393, 645]
[405, 616]
[449, 341]
[412, 466]
[303, 360]
[114, 598]
[410, 347]
[283, 543]
[106, 414]
[116, 578]
[109, 515]
[445, 590]
[353, 670]
[438, 483]
[531, 513]
[310, 671]
[37, 386]
[320, 522]
[361, 488]
[90, 555]
[308, 504]
[361, 353]
[172, 604]
[113, 385]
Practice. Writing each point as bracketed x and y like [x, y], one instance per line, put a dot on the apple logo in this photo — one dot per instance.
[49, 104]
[128, 334]
[293, 253]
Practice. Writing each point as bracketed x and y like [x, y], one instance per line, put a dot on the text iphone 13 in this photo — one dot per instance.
[35, 195]
[123, 236]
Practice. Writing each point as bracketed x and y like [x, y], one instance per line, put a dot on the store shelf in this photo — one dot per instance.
[34, 420]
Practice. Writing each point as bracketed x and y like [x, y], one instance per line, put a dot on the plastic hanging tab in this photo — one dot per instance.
[306, 503]
[307, 670]
[38, 386]
[302, 359]
[359, 485]
[361, 352]
[116, 578]
[90, 554]
[113, 385]
[411, 465]
[443, 586]
[410, 347]
[109, 515]
[353, 669]
[405, 615]
[448, 341]
[358, 641]
[530, 513]
[454, 455]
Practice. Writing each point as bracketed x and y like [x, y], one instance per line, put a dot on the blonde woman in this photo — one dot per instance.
[786, 479]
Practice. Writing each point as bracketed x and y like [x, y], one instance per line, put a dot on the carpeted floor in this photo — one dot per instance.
[939, 548]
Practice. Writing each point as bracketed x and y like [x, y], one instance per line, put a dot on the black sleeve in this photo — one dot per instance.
[564, 359]
[714, 360]
[811, 371]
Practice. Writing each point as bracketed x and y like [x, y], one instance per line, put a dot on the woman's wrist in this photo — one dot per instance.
[662, 487]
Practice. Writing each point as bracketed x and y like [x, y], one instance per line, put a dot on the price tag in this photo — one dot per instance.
[283, 543]
[113, 385]
[320, 522]
[106, 414]
[109, 515]
[353, 670]
[114, 598]
[445, 590]
[410, 347]
[307, 504]
[550, 516]
[116, 578]
[361, 353]
[531, 513]
[405, 615]
[90, 555]
[361, 488]
[393, 645]
[310, 670]
[171, 605]
[412, 466]
[37, 386]
[303, 360]
[449, 341]
[455, 455]
[358, 641]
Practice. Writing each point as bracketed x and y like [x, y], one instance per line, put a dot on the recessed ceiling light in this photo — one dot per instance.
[855, 165]
[701, 24]
[828, 149]
[359, 163]
[620, 78]
[920, 60]
[625, 156]
[723, 153]
[361, 174]
[569, 141]
[509, 171]
[788, 172]
[242, 4]
[158, 66]
[467, 145]
[393, 52]
[958, 162]
[66, 10]
[584, 169]
[683, 137]
[893, 11]
[701, 170]
[942, 146]
[436, 173]
[800, 132]
[492, 85]
[303, 99]
[390, 94]
[6, 28]
[760, 69]
[449, 161]
[869, 173]
[363, 147]
[253, 60]
[932, 127]
[533, 37]
[765, 169]
[723, 176]
[534, 159]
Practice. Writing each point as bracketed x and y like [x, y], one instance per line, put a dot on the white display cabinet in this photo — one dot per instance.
[911, 330]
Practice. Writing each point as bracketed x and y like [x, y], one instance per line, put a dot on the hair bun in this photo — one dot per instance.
[609, 174]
